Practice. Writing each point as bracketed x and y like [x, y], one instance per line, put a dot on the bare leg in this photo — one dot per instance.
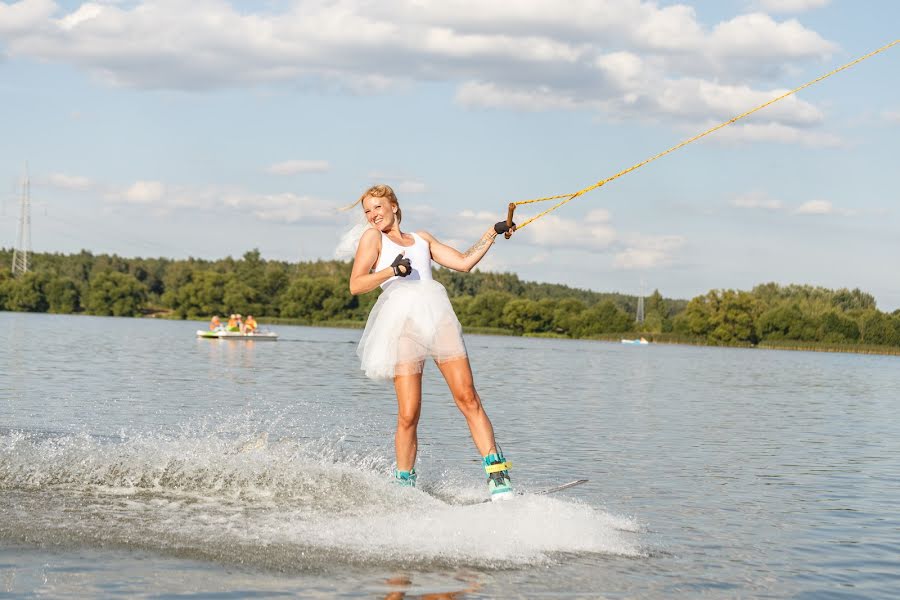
[409, 407]
[458, 374]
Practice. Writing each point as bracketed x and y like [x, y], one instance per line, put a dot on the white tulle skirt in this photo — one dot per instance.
[411, 322]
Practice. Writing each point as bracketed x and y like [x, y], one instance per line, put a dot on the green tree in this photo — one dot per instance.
[604, 317]
[835, 328]
[783, 322]
[567, 316]
[657, 314]
[526, 316]
[895, 326]
[855, 299]
[62, 295]
[877, 328]
[486, 310]
[275, 283]
[734, 319]
[250, 270]
[26, 293]
[5, 287]
[722, 316]
[697, 317]
[241, 297]
[305, 298]
[115, 293]
[202, 295]
[178, 275]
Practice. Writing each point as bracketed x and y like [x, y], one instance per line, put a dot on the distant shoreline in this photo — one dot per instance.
[771, 315]
[653, 338]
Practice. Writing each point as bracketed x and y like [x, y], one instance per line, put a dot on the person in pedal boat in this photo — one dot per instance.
[215, 324]
[233, 323]
[413, 321]
[250, 325]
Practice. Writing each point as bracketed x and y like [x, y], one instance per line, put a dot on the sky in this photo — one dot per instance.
[211, 127]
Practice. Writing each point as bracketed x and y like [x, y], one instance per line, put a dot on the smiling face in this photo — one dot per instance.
[380, 213]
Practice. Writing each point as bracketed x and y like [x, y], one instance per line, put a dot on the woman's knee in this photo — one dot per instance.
[467, 400]
[408, 420]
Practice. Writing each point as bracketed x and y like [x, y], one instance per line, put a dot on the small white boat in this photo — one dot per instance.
[237, 335]
[640, 342]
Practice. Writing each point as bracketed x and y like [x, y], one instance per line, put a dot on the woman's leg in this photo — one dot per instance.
[458, 374]
[409, 407]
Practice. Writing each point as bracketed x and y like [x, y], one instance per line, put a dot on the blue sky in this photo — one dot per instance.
[207, 128]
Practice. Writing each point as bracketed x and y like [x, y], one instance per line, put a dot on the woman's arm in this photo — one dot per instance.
[361, 279]
[452, 258]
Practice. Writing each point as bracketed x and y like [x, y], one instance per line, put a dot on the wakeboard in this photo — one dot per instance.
[549, 490]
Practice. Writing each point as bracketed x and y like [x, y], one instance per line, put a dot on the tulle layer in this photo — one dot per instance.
[411, 322]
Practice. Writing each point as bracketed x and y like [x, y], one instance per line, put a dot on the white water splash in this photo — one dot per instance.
[282, 502]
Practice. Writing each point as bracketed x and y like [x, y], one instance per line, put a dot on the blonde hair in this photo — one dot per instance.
[381, 190]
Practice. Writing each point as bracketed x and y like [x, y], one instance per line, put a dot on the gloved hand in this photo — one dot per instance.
[401, 265]
[502, 227]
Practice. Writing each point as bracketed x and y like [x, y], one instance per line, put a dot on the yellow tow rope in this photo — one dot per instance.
[570, 197]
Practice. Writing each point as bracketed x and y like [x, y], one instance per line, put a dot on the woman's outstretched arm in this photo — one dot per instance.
[460, 261]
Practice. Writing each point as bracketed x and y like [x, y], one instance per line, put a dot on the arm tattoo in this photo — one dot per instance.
[478, 246]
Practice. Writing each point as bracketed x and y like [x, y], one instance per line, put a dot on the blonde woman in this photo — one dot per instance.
[413, 321]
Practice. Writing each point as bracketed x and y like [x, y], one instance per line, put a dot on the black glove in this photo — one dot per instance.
[502, 227]
[401, 265]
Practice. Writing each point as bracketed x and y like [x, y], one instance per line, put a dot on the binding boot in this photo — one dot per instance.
[405, 478]
[497, 468]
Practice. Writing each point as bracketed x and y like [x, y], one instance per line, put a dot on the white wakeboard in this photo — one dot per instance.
[545, 491]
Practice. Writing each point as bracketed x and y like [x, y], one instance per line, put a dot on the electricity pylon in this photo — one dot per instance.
[640, 307]
[23, 240]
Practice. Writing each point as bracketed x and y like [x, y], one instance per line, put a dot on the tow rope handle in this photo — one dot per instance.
[509, 222]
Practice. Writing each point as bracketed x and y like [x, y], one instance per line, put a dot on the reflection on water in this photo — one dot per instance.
[468, 584]
[129, 448]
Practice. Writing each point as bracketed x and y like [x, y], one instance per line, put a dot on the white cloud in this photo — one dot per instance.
[492, 95]
[642, 94]
[411, 187]
[552, 231]
[754, 200]
[613, 57]
[84, 13]
[70, 182]
[821, 207]
[401, 184]
[598, 215]
[775, 132]
[481, 215]
[23, 18]
[293, 167]
[592, 233]
[759, 36]
[144, 192]
[284, 208]
[648, 252]
[891, 116]
[791, 6]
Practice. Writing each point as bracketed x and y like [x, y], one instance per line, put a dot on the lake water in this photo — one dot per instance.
[136, 460]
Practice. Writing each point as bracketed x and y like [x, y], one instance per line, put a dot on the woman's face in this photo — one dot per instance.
[379, 213]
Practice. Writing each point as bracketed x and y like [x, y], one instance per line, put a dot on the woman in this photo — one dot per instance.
[412, 321]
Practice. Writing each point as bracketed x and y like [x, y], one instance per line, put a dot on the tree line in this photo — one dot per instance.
[317, 293]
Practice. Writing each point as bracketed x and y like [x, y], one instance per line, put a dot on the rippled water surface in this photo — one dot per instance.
[136, 460]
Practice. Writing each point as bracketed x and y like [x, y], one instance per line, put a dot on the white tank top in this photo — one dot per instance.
[419, 255]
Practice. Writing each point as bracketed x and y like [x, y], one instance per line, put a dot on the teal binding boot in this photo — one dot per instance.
[405, 478]
[497, 469]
